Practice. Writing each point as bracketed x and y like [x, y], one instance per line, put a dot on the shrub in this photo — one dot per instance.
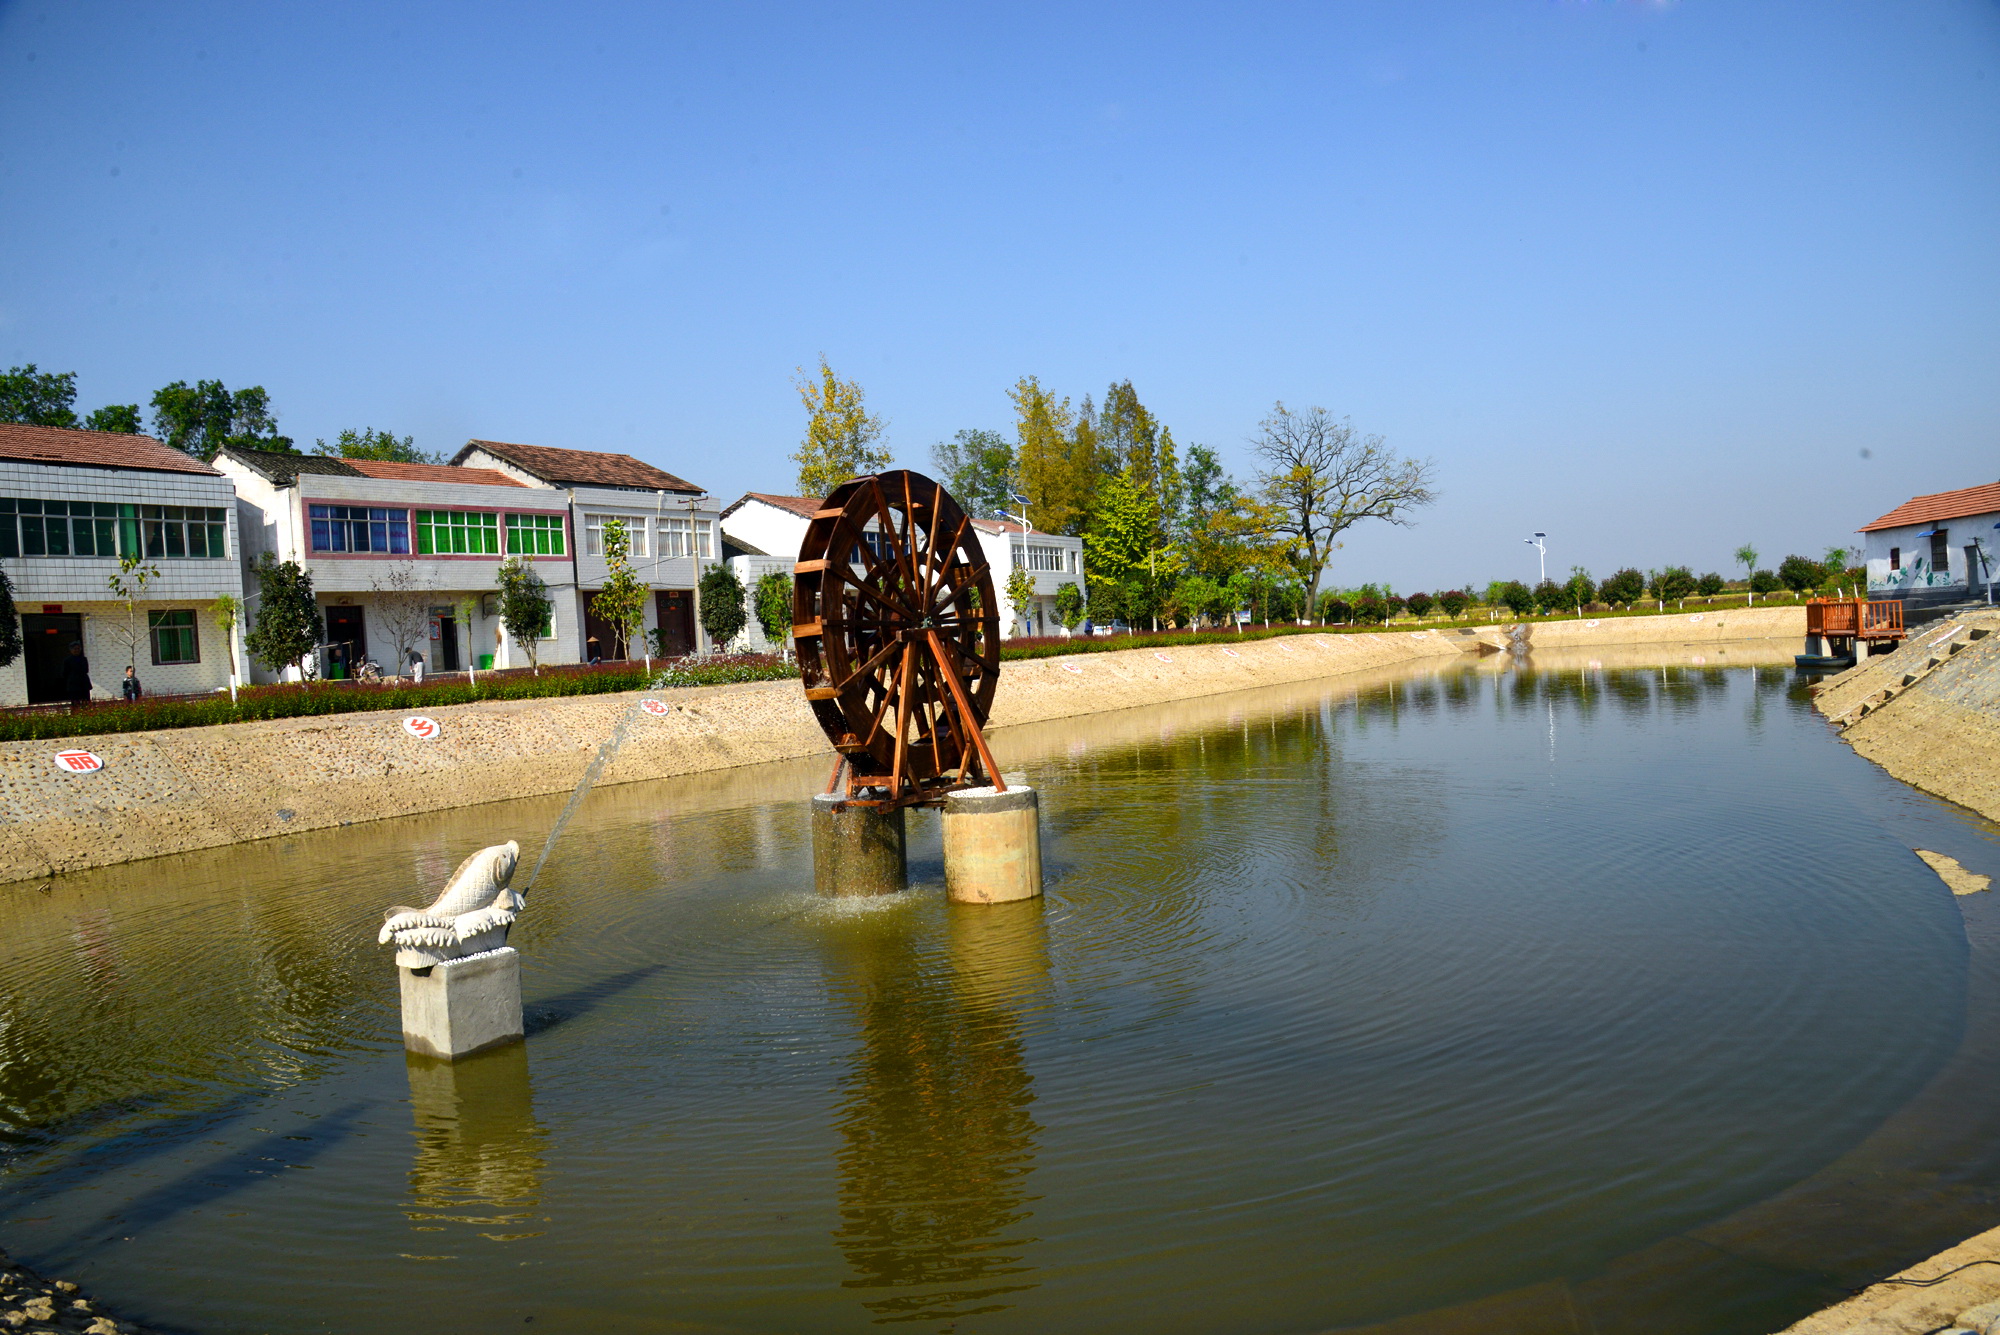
[1370, 609]
[1454, 602]
[1069, 606]
[1420, 604]
[1709, 585]
[722, 613]
[1763, 581]
[1799, 573]
[1333, 608]
[1550, 597]
[1396, 604]
[1624, 586]
[1579, 590]
[1516, 597]
[288, 625]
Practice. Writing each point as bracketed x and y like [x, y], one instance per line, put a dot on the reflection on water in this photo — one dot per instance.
[937, 1137]
[1532, 985]
[478, 1152]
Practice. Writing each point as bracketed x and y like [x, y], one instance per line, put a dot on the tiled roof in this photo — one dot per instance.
[581, 468]
[282, 469]
[401, 472]
[93, 449]
[1940, 505]
[805, 507]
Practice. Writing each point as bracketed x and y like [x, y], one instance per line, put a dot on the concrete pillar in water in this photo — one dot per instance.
[460, 1006]
[992, 845]
[858, 851]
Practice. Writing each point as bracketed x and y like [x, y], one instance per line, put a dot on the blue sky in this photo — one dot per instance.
[1649, 277]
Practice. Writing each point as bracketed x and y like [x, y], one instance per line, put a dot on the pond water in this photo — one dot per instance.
[1346, 1002]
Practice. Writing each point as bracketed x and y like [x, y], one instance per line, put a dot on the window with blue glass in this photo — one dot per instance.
[359, 528]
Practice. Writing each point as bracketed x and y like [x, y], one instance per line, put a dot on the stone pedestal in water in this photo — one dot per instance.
[857, 851]
[992, 845]
[461, 1006]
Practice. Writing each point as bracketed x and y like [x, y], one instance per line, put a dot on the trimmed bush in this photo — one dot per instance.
[1421, 604]
[1454, 602]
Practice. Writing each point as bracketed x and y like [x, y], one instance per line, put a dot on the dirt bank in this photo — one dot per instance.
[170, 792]
[1930, 712]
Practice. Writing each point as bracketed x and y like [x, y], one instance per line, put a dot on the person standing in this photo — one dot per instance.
[76, 675]
[416, 668]
[129, 687]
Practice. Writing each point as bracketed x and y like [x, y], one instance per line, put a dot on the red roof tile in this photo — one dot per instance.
[94, 449]
[402, 472]
[805, 507]
[581, 468]
[1940, 505]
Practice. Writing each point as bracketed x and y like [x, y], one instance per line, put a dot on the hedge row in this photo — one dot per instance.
[271, 702]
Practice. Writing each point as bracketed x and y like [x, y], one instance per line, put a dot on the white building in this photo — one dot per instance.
[761, 526]
[671, 523]
[404, 556]
[1941, 548]
[72, 503]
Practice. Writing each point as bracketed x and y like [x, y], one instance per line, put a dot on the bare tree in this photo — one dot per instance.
[402, 610]
[1320, 479]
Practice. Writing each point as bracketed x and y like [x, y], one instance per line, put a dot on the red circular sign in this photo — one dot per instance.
[78, 762]
[421, 728]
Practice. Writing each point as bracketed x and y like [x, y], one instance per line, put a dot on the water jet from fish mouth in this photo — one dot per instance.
[583, 786]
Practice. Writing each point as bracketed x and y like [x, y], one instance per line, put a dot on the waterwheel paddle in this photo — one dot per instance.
[898, 636]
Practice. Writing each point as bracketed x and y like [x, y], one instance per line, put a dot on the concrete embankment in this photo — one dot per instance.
[1930, 712]
[173, 791]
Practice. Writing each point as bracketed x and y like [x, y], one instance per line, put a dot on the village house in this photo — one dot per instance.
[72, 504]
[1936, 549]
[405, 556]
[671, 524]
[765, 531]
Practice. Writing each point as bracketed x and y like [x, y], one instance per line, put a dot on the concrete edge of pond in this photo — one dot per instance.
[160, 793]
[1929, 713]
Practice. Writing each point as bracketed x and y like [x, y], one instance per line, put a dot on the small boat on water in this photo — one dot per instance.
[1824, 662]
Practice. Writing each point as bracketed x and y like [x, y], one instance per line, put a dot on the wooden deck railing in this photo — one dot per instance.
[1855, 617]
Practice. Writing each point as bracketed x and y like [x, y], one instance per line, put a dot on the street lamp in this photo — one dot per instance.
[1536, 543]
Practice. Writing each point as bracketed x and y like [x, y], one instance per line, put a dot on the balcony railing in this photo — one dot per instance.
[1855, 617]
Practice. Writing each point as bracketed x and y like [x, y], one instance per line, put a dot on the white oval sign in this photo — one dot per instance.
[1285, 648]
[1591, 625]
[1695, 617]
[1163, 658]
[1232, 653]
[657, 708]
[421, 728]
[1071, 667]
[78, 762]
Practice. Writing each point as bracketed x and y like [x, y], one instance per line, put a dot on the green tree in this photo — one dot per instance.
[1250, 590]
[840, 433]
[1763, 581]
[773, 599]
[1550, 597]
[1131, 440]
[288, 623]
[1710, 584]
[1515, 596]
[1334, 609]
[1021, 593]
[10, 623]
[1799, 573]
[621, 602]
[1069, 606]
[36, 398]
[1204, 597]
[978, 469]
[1454, 602]
[1055, 459]
[525, 606]
[1578, 589]
[1122, 532]
[1746, 556]
[128, 585]
[228, 610]
[1624, 586]
[205, 418]
[1672, 583]
[1370, 608]
[119, 418]
[1321, 479]
[368, 443]
[722, 614]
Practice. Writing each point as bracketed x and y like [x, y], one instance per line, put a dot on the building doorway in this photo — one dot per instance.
[46, 638]
[444, 640]
[675, 609]
[346, 640]
[600, 637]
[1976, 574]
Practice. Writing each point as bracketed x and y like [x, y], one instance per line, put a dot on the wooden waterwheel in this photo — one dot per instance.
[898, 636]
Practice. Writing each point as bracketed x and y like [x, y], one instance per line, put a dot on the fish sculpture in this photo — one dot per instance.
[472, 915]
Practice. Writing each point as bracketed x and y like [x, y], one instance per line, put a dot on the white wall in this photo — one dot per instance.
[774, 531]
[1917, 579]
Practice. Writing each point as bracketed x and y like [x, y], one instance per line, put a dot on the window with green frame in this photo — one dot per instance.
[458, 532]
[174, 639]
[535, 535]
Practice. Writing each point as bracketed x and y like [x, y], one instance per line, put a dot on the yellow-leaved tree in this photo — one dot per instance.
[1056, 481]
[840, 433]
